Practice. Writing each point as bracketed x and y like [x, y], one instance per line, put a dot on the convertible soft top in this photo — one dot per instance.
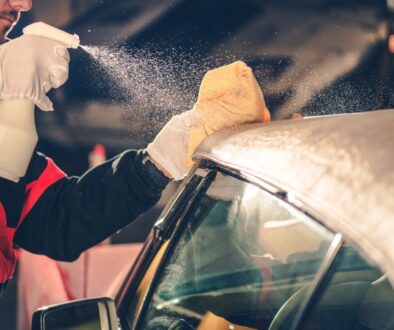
[339, 169]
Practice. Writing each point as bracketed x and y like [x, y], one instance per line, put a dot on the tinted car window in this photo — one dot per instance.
[357, 296]
[241, 255]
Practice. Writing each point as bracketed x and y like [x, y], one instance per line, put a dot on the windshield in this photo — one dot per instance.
[242, 254]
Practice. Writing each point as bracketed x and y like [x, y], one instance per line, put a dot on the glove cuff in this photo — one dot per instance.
[153, 172]
[165, 162]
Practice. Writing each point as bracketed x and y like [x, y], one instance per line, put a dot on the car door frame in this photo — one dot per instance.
[170, 227]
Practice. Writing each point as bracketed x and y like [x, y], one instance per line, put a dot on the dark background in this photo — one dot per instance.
[315, 57]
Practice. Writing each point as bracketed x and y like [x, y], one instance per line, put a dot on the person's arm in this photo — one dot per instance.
[63, 216]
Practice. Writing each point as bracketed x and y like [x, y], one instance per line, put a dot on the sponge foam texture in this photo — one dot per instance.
[229, 96]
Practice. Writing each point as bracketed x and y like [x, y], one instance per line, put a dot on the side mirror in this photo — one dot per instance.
[91, 314]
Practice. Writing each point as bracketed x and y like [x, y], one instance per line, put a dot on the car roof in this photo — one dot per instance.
[339, 168]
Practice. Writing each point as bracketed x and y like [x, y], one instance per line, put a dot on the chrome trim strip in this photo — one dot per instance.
[196, 172]
[311, 294]
[283, 193]
[240, 172]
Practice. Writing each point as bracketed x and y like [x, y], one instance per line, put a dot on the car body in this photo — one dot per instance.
[285, 225]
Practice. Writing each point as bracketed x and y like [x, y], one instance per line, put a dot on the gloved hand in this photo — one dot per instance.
[30, 66]
[229, 96]
[169, 148]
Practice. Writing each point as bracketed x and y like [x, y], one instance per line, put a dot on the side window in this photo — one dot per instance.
[238, 259]
[356, 296]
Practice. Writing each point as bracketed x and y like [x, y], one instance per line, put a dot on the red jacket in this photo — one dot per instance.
[48, 213]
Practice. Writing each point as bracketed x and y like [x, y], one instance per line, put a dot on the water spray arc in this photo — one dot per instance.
[18, 134]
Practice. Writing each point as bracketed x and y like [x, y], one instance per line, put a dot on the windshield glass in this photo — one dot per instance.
[242, 254]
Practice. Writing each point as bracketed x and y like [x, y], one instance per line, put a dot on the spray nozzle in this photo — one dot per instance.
[18, 135]
[44, 30]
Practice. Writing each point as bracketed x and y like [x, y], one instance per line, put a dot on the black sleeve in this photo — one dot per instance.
[74, 213]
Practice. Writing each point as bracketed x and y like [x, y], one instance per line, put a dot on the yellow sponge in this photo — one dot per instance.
[229, 95]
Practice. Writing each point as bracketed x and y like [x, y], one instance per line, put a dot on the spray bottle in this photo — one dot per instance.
[18, 134]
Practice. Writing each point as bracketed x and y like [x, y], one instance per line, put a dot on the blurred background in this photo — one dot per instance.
[143, 62]
[314, 57]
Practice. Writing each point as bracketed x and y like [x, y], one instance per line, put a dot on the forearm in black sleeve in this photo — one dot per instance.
[74, 214]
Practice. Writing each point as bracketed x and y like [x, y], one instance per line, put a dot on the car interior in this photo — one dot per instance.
[227, 270]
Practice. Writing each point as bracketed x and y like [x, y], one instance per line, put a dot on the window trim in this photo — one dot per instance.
[314, 289]
[167, 218]
[291, 200]
[171, 223]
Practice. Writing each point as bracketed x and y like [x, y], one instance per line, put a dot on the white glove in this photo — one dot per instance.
[169, 148]
[30, 66]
